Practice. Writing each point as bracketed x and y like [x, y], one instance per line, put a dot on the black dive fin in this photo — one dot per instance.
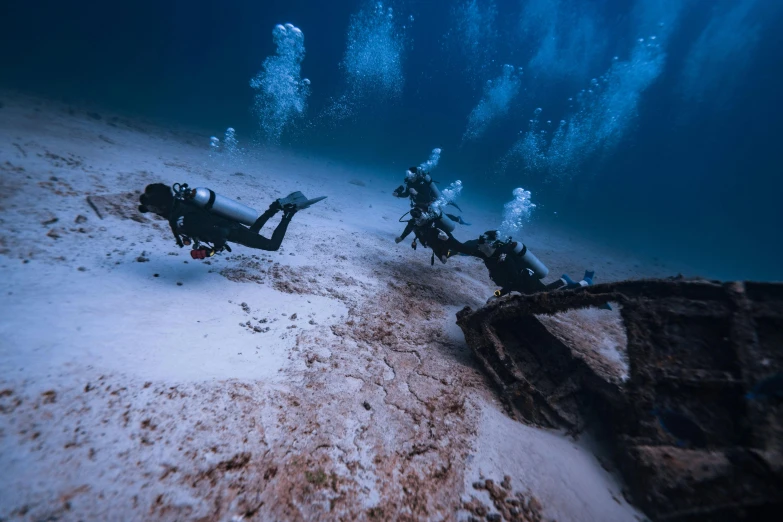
[455, 205]
[292, 199]
[298, 200]
[309, 202]
[458, 219]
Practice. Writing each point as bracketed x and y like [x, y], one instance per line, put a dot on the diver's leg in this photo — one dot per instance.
[279, 233]
[457, 247]
[245, 237]
[554, 285]
[273, 209]
[405, 233]
[587, 280]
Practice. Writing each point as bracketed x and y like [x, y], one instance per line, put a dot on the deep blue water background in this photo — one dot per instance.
[697, 183]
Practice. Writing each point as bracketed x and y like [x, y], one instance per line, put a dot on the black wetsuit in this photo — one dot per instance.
[507, 270]
[428, 235]
[423, 188]
[194, 222]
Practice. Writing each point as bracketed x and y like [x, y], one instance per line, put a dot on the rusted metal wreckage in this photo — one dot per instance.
[693, 347]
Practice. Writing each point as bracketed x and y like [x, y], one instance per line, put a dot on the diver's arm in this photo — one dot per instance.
[407, 231]
[174, 217]
[177, 237]
[401, 192]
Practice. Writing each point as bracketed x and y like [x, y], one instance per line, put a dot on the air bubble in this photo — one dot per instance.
[282, 96]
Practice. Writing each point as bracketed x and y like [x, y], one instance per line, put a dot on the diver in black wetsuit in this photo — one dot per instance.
[514, 269]
[420, 188]
[191, 223]
[430, 232]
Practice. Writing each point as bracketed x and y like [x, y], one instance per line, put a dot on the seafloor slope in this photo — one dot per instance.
[327, 380]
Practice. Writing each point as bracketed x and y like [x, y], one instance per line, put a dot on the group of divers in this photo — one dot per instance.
[208, 222]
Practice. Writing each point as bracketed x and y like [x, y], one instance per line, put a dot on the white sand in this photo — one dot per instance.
[563, 475]
[125, 396]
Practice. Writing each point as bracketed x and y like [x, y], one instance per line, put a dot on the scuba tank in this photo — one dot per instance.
[530, 261]
[445, 223]
[441, 220]
[435, 190]
[220, 205]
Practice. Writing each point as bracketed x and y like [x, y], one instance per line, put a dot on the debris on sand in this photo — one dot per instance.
[508, 505]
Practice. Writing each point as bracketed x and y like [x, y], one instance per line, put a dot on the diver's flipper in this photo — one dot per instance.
[309, 202]
[292, 199]
[454, 205]
[458, 219]
[298, 201]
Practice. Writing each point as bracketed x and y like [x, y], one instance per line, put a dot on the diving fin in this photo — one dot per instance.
[298, 200]
[458, 219]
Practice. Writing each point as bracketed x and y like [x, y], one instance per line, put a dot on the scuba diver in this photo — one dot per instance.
[422, 191]
[420, 188]
[208, 221]
[513, 267]
[433, 231]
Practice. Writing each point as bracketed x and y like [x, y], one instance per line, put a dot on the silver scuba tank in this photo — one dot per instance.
[530, 261]
[445, 223]
[221, 205]
[435, 190]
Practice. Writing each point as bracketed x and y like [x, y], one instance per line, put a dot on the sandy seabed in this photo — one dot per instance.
[326, 381]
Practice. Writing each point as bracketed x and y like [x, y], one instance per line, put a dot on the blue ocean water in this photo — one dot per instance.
[648, 124]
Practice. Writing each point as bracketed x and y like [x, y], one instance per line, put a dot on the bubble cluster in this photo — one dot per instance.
[373, 59]
[495, 102]
[228, 151]
[447, 196]
[717, 61]
[475, 33]
[602, 115]
[431, 163]
[214, 146]
[230, 142]
[372, 63]
[566, 36]
[516, 213]
[282, 95]
[658, 18]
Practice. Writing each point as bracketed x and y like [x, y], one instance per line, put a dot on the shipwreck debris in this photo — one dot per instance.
[687, 432]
